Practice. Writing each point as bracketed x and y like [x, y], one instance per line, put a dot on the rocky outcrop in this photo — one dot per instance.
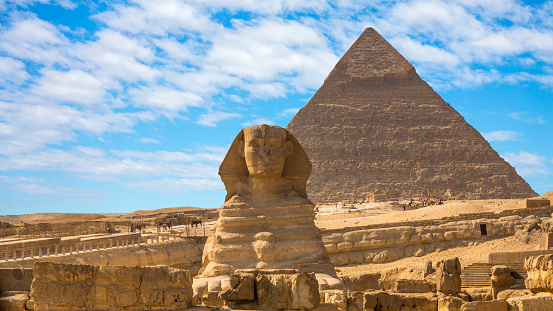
[376, 126]
[501, 279]
[530, 303]
[448, 276]
[86, 287]
[384, 301]
[540, 273]
[391, 243]
[272, 289]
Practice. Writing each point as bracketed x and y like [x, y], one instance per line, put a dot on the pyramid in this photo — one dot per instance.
[376, 126]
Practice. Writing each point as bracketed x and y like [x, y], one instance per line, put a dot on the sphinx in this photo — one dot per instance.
[267, 221]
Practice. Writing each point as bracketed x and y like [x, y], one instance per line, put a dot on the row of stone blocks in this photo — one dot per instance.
[36, 249]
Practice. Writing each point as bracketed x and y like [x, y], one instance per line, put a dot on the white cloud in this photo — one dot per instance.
[418, 52]
[526, 117]
[148, 140]
[528, 164]
[289, 112]
[97, 164]
[156, 17]
[172, 185]
[502, 136]
[32, 38]
[73, 86]
[273, 50]
[525, 158]
[12, 70]
[164, 99]
[214, 117]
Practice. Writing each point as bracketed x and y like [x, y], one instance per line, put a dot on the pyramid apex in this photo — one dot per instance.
[371, 56]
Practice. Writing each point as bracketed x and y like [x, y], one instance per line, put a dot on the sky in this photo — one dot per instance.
[117, 106]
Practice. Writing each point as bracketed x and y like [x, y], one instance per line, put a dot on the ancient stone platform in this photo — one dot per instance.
[375, 125]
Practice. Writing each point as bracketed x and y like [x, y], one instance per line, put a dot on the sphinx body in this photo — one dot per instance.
[266, 222]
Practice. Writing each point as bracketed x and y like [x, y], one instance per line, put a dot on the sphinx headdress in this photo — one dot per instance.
[234, 172]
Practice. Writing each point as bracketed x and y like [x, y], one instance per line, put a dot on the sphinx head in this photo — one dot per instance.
[265, 149]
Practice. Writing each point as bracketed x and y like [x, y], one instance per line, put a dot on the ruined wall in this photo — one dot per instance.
[185, 254]
[86, 287]
[15, 279]
[351, 246]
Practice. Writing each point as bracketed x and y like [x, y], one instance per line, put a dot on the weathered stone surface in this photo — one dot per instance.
[448, 276]
[501, 279]
[362, 282]
[242, 287]
[530, 303]
[15, 279]
[62, 286]
[494, 305]
[383, 301]
[266, 222]
[479, 293]
[540, 273]
[13, 300]
[86, 287]
[449, 303]
[287, 291]
[367, 130]
[512, 293]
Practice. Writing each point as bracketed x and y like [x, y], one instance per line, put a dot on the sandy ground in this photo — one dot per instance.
[332, 217]
[76, 217]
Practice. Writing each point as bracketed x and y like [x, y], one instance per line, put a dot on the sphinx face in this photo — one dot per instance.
[265, 149]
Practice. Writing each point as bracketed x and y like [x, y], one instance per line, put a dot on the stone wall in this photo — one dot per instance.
[86, 287]
[15, 279]
[355, 246]
[182, 254]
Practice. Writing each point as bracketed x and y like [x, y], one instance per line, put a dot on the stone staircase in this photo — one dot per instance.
[476, 275]
[479, 274]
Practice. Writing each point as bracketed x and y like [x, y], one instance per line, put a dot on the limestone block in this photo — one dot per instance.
[166, 287]
[356, 257]
[116, 286]
[530, 303]
[512, 293]
[242, 287]
[362, 282]
[333, 238]
[450, 236]
[355, 301]
[480, 293]
[344, 245]
[379, 300]
[330, 247]
[337, 298]
[449, 303]
[448, 276]
[328, 282]
[13, 300]
[287, 291]
[494, 305]
[540, 273]
[15, 279]
[65, 286]
[380, 257]
[501, 279]
[395, 254]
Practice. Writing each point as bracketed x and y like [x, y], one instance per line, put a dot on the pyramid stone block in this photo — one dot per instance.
[375, 126]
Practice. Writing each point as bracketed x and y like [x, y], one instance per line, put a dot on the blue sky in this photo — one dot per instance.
[124, 105]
